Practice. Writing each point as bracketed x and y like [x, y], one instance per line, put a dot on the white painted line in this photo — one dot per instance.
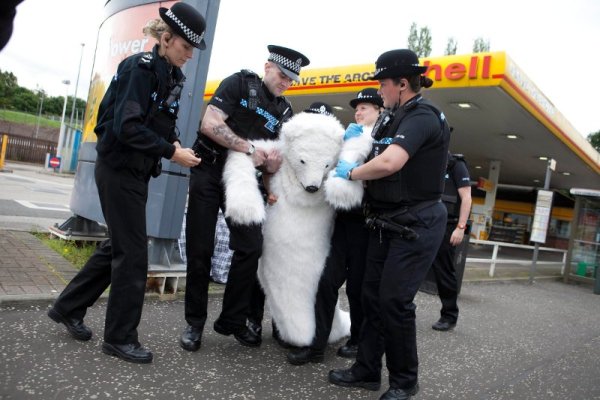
[50, 207]
[51, 180]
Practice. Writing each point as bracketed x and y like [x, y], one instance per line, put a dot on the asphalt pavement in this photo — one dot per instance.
[513, 341]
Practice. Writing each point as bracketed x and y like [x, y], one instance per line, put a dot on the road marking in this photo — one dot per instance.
[43, 206]
[53, 182]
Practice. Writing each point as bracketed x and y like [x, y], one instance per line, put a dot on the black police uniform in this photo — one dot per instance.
[254, 113]
[136, 127]
[345, 263]
[457, 176]
[396, 266]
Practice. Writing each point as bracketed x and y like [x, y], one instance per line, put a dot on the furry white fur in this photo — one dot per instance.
[243, 201]
[297, 228]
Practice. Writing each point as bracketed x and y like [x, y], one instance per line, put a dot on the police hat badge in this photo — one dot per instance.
[368, 95]
[318, 107]
[289, 61]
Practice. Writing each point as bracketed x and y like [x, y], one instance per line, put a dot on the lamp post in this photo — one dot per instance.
[37, 126]
[76, 84]
[61, 135]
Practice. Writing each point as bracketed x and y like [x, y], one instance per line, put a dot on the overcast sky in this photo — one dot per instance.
[556, 43]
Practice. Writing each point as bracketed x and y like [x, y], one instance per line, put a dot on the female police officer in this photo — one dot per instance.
[405, 180]
[136, 127]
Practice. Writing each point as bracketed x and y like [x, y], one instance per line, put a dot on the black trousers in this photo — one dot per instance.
[206, 196]
[395, 270]
[346, 262]
[445, 277]
[121, 261]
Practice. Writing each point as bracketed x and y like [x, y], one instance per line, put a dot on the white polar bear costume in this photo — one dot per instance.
[297, 228]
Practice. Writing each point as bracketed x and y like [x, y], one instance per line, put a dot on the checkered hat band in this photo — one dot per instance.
[320, 110]
[191, 35]
[286, 62]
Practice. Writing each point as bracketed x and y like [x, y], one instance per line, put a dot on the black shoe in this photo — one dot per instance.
[75, 326]
[255, 327]
[243, 335]
[400, 394]
[349, 350]
[190, 338]
[132, 352]
[345, 377]
[443, 325]
[305, 355]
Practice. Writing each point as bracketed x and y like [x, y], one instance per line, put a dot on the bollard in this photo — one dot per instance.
[3, 150]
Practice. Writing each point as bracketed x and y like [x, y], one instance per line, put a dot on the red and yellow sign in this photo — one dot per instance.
[484, 69]
[485, 184]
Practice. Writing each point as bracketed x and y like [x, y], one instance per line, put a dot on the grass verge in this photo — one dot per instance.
[19, 117]
[76, 252]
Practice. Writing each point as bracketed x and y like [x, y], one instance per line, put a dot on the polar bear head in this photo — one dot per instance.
[310, 146]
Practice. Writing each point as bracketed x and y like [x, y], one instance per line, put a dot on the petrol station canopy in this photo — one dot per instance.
[496, 111]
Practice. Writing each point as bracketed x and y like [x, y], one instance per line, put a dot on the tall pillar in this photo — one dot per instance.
[482, 214]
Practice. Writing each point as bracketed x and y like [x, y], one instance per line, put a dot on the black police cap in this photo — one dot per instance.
[396, 63]
[186, 22]
[368, 95]
[289, 61]
[318, 107]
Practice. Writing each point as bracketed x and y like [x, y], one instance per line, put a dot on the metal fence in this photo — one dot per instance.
[27, 149]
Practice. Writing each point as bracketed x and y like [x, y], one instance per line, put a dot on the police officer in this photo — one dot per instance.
[405, 180]
[457, 199]
[136, 127]
[347, 257]
[243, 108]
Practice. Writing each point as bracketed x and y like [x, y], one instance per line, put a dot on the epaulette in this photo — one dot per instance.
[146, 60]
[248, 72]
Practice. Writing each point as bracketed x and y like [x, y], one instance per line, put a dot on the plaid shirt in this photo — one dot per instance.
[221, 259]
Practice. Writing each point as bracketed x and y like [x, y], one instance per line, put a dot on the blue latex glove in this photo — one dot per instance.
[343, 167]
[353, 130]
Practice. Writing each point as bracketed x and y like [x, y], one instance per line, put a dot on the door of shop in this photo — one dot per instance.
[583, 258]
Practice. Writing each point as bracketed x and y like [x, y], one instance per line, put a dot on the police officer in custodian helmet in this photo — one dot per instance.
[404, 177]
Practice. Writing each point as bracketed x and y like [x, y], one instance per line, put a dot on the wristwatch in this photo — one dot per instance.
[250, 149]
[461, 226]
[349, 176]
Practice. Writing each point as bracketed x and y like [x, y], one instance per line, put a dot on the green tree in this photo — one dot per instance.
[451, 47]
[8, 85]
[594, 139]
[419, 42]
[15, 97]
[54, 105]
[24, 100]
[481, 46]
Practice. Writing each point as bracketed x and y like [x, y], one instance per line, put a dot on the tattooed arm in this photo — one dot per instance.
[215, 128]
